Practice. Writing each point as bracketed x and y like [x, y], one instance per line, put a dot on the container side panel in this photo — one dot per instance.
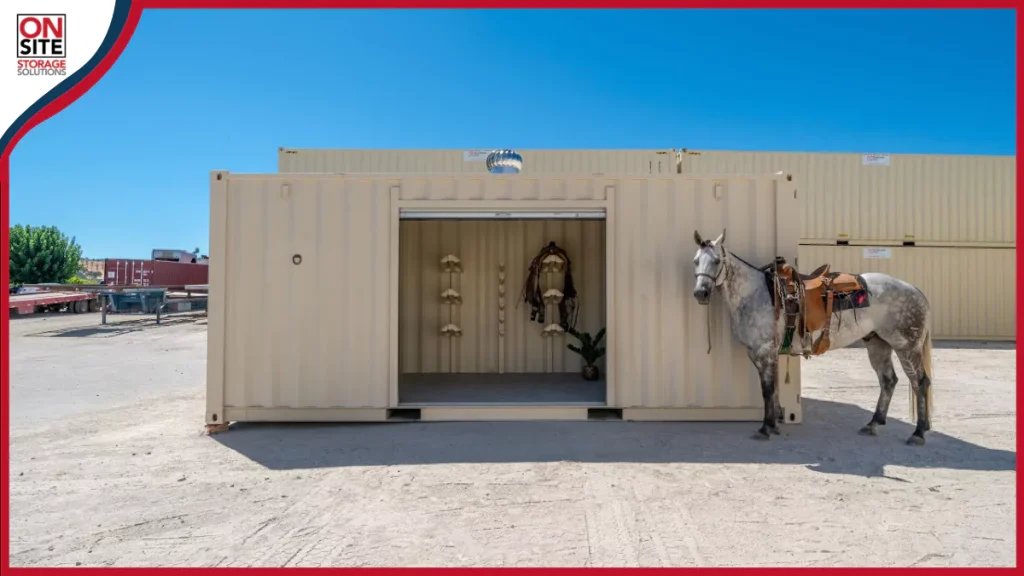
[661, 339]
[640, 162]
[971, 290]
[121, 272]
[178, 274]
[307, 271]
[921, 198]
[483, 247]
[497, 188]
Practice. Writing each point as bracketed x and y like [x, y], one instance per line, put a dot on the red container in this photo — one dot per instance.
[122, 272]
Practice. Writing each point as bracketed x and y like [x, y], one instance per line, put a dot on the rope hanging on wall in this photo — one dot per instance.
[533, 294]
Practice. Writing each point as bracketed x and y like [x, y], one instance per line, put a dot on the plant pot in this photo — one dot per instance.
[590, 373]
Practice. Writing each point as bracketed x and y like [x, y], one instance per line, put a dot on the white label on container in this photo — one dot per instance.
[875, 160]
[878, 252]
[475, 155]
[110, 274]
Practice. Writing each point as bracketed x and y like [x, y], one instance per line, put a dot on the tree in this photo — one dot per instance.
[42, 254]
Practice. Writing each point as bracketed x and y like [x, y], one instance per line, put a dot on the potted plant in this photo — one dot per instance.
[590, 350]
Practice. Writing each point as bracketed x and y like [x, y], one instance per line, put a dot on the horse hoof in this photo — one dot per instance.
[915, 440]
[760, 435]
[775, 430]
[868, 431]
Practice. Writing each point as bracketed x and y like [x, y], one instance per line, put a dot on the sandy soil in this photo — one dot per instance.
[110, 466]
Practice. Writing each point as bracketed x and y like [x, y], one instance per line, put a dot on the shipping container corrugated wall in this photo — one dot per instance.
[660, 332]
[971, 290]
[299, 306]
[155, 273]
[305, 272]
[331, 160]
[887, 199]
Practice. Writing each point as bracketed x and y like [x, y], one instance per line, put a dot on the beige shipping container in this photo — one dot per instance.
[887, 199]
[329, 300]
[412, 161]
[971, 290]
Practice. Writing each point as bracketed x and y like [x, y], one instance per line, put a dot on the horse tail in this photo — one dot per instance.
[926, 367]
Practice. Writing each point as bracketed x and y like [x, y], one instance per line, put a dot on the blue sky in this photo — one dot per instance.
[125, 168]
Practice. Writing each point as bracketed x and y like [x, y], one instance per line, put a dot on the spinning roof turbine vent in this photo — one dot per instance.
[504, 162]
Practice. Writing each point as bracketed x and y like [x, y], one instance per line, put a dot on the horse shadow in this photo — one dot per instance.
[826, 442]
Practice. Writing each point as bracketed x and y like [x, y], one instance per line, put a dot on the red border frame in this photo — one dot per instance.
[133, 19]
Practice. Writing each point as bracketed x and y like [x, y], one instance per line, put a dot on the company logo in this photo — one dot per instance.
[42, 44]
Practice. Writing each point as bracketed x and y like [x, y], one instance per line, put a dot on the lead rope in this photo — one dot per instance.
[775, 333]
[707, 315]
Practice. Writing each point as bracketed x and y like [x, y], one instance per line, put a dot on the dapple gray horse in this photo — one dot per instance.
[897, 319]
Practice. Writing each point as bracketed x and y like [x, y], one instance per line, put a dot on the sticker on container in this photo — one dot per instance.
[875, 160]
[110, 274]
[475, 155]
[876, 252]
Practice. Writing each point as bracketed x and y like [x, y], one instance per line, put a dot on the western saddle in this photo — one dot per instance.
[809, 302]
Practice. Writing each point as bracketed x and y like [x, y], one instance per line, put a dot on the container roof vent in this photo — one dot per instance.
[504, 162]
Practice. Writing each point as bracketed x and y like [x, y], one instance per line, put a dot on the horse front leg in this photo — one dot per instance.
[780, 416]
[769, 394]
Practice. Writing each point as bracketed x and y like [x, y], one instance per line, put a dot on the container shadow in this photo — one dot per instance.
[826, 442]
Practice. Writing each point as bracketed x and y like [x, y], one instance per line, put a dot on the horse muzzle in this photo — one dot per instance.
[702, 296]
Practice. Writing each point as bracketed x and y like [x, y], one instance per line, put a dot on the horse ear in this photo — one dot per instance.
[697, 238]
[721, 238]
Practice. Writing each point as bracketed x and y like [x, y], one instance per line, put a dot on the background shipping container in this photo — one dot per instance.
[335, 160]
[132, 272]
[971, 290]
[887, 198]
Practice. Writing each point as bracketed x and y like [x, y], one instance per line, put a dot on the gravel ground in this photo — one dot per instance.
[110, 466]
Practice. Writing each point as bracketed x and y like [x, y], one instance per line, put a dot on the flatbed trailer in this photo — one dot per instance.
[77, 302]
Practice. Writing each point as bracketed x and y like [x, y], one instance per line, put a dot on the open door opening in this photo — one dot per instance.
[466, 335]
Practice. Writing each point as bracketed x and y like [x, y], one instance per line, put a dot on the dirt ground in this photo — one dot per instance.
[110, 466]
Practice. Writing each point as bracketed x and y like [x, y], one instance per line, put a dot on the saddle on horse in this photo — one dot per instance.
[809, 302]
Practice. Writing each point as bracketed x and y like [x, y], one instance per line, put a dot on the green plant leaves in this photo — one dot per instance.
[588, 348]
[42, 254]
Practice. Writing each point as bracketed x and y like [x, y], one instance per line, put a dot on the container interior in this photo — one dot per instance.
[466, 336]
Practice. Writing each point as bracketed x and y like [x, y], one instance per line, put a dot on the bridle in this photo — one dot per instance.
[714, 279]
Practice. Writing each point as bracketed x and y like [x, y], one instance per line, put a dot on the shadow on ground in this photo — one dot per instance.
[973, 345]
[826, 442]
[961, 345]
[117, 328]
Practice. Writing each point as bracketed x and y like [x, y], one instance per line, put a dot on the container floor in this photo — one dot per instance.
[500, 389]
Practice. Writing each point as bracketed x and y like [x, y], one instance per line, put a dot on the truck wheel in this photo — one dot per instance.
[79, 306]
[94, 305]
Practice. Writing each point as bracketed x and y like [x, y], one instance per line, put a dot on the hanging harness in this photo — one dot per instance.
[533, 294]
